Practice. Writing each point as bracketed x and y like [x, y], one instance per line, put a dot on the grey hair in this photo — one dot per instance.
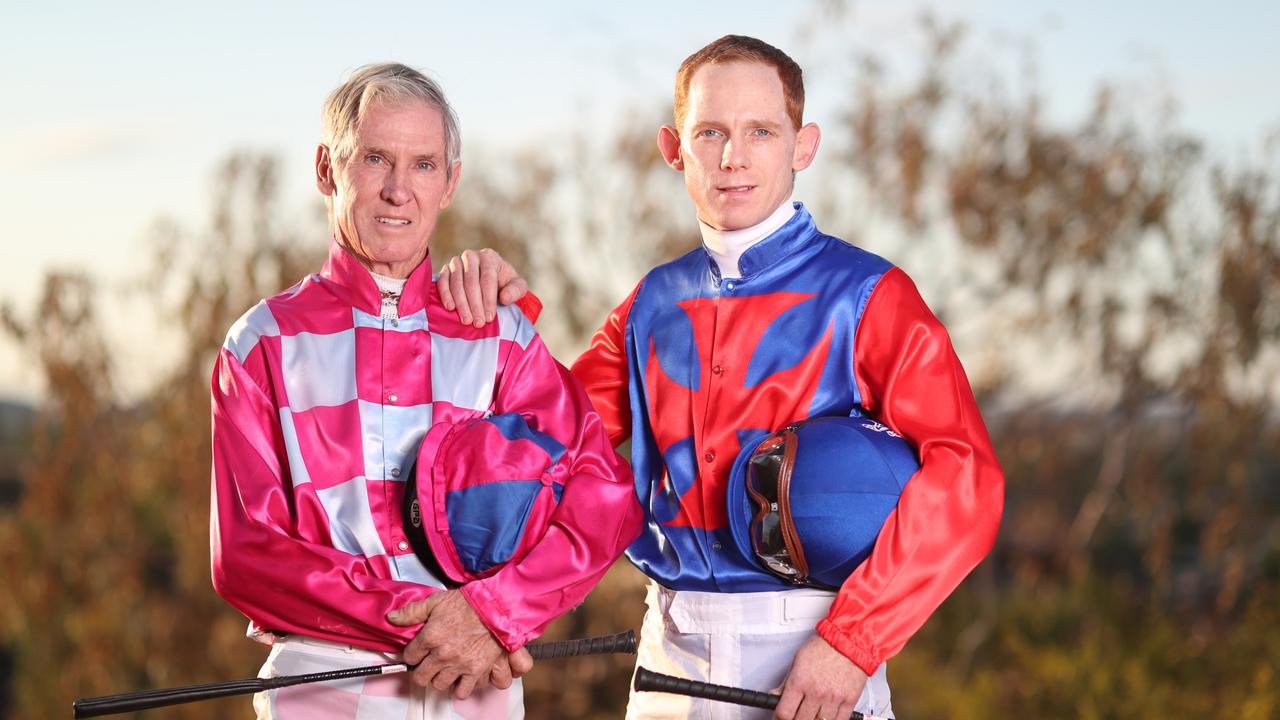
[346, 106]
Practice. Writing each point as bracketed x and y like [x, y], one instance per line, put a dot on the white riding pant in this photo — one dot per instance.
[376, 697]
[745, 640]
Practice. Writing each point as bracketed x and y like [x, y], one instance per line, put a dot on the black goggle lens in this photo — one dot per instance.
[766, 526]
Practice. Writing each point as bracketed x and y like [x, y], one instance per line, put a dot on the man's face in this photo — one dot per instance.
[387, 195]
[737, 146]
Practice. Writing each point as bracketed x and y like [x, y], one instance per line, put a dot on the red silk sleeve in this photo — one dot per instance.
[949, 512]
[602, 370]
[530, 305]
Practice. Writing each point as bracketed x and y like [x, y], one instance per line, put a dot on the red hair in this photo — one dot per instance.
[740, 48]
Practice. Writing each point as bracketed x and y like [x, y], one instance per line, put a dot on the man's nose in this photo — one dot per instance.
[395, 187]
[734, 156]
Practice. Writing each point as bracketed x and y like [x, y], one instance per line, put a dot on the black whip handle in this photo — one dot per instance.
[624, 642]
[648, 680]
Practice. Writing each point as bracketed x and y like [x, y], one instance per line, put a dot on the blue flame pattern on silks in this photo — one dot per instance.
[715, 365]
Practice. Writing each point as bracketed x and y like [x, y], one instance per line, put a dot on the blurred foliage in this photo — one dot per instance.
[1138, 569]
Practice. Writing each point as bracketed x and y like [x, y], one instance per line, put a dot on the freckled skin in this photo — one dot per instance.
[737, 147]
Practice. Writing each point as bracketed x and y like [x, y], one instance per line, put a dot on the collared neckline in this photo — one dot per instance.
[782, 243]
[726, 246]
[354, 282]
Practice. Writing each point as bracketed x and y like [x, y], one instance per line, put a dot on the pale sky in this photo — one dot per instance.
[118, 112]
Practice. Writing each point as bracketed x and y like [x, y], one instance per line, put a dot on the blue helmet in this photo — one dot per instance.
[808, 501]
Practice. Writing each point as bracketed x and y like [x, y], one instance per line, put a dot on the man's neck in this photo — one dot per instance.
[390, 288]
[388, 285]
[727, 246]
[398, 270]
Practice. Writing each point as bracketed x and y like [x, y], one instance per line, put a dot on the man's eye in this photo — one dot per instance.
[762, 132]
[708, 133]
[373, 159]
[424, 165]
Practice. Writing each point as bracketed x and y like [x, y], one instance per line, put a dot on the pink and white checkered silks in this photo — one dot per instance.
[319, 408]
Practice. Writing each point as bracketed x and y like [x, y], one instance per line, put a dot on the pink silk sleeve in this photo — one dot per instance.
[264, 562]
[602, 369]
[948, 515]
[597, 517]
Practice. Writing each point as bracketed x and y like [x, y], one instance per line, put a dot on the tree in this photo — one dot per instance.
[1113, 290]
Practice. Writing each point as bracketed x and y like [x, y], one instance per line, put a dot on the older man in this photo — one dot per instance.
[770, 322]
[321, 398]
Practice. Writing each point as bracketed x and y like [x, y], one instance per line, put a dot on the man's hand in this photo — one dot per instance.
[822, 684]
[455, 652]
[475, 282]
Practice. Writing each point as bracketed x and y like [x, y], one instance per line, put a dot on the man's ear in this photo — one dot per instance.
[324, 171]
[669, 146]
[807, 139]
[453, 185]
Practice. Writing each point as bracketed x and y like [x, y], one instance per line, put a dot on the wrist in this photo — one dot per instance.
[863, 657]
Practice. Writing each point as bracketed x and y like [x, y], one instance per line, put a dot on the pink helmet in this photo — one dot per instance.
[481, 495]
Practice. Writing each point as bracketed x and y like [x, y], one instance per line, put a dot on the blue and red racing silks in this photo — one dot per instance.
[692, 368]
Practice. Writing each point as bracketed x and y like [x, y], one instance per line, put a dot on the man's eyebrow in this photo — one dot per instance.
[375, 150]
[749, 122]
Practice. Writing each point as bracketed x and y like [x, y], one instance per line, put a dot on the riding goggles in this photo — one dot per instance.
[774, 539]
